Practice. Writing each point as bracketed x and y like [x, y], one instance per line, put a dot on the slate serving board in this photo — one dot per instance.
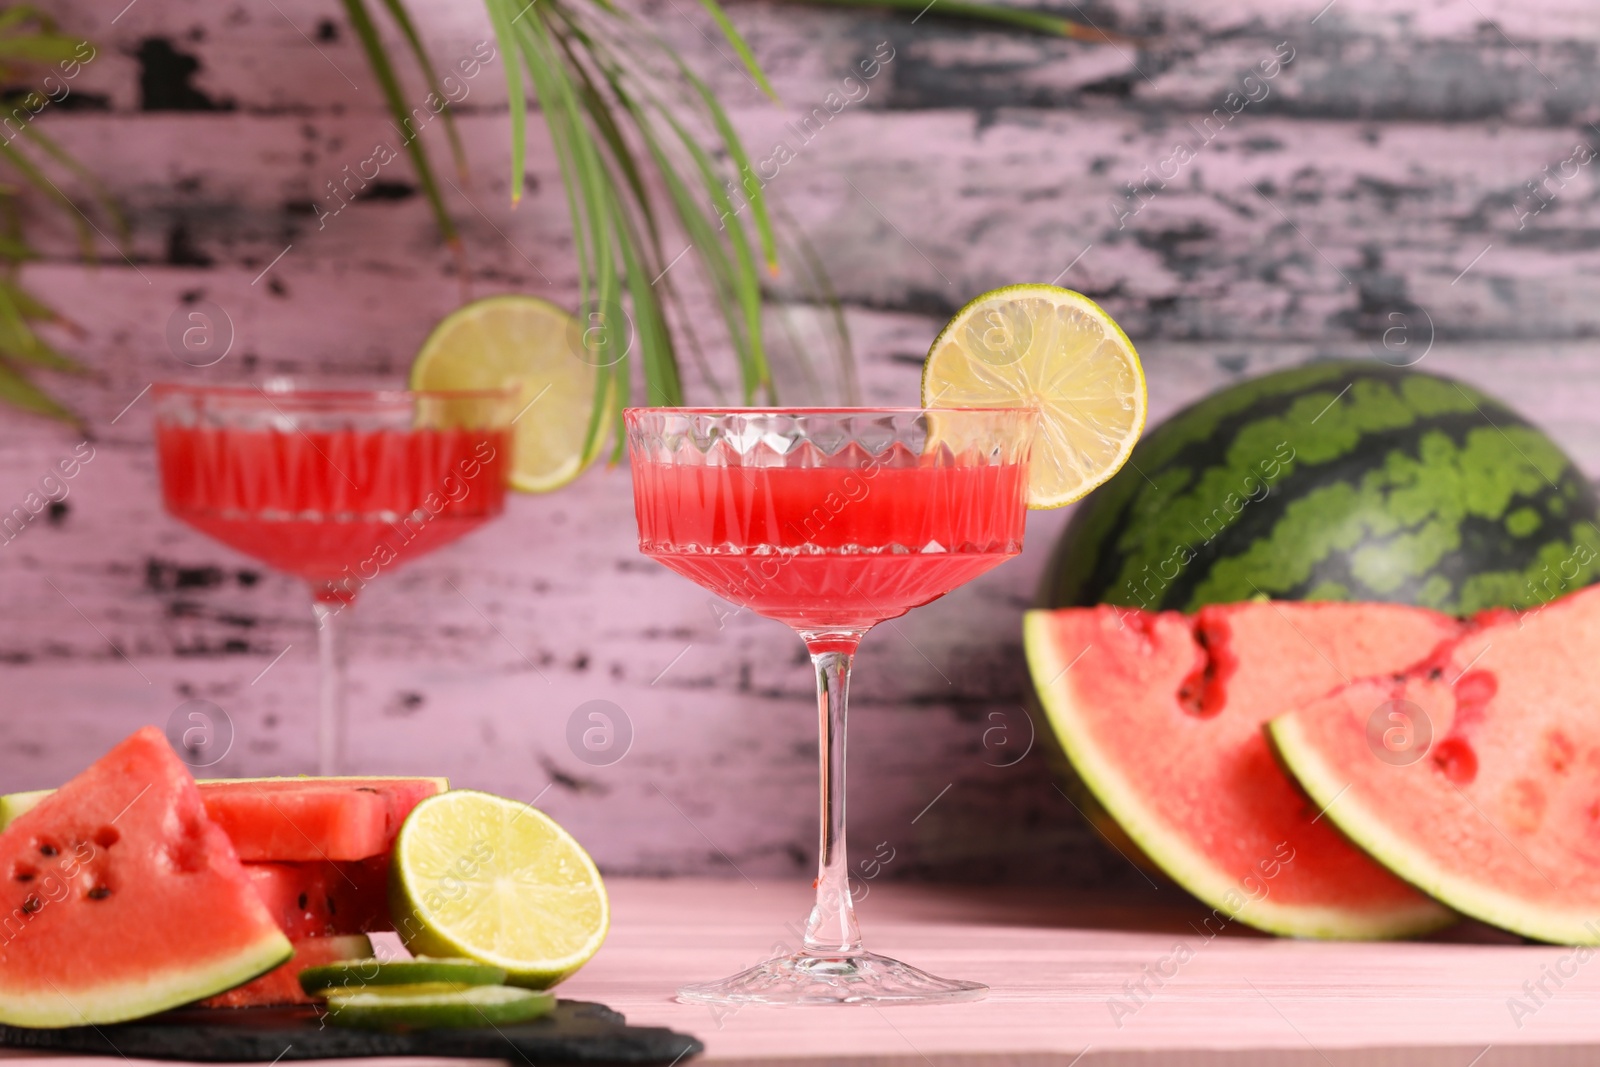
[575, 1032]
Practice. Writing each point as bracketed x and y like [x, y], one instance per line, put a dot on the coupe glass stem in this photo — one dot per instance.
[330, 682]
[832, 929]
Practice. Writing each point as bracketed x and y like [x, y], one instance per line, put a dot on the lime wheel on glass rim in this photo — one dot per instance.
[1059, 352]
[540, 349]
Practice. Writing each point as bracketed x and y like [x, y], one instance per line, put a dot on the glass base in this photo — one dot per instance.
[860, 978]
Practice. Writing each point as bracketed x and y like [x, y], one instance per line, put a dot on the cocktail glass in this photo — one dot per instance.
[830, 520]
[332, 486]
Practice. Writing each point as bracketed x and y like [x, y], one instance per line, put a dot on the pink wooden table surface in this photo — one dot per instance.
[1065, 981]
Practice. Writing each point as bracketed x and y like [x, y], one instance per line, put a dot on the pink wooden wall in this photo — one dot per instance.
[1377, 180]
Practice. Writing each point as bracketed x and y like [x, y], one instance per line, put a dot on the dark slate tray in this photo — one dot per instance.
[576, 1032]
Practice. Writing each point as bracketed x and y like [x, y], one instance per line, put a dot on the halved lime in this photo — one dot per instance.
[538, 347]
[497, 881]
[353, 975]
[426, 1008]
[1058, 351]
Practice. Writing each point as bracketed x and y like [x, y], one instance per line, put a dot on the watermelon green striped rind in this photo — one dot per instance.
[1341, 480]
[1489, 798]
[282, 986]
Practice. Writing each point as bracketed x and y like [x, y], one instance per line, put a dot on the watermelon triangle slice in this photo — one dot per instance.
[120, 898]
[1474, 775]
[1161, 717]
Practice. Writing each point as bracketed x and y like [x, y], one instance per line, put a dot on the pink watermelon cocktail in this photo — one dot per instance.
[332, 486]
[831, 520]
[831, 546]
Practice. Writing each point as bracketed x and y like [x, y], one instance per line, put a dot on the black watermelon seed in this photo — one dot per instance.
[47, 850]
[31, 905]
[99, 892]
[303, 902]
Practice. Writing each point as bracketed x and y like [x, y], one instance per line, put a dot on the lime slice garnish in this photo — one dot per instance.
[425, 1008]
[497, 881]
[353, 975]
[532, 344]
[1055, 350]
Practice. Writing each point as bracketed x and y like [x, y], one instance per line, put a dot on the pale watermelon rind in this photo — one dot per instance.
[1188, 867]
[14, 805]
[1368, 831]
[52, 1007]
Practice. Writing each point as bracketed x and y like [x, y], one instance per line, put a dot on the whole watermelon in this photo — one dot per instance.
[1342, 480]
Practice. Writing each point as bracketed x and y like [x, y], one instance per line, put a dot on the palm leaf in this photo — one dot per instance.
[500, 18]
[21, 393]
[367, 33]
[19, 342]
[39, 180]
[736, 39]
[402, 18]
[647, 153]
[588, 190]
[108, 203]
[39, 48]
[680, 162]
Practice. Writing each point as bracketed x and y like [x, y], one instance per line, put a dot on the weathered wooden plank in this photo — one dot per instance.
[1274, 228]
[1530, 64]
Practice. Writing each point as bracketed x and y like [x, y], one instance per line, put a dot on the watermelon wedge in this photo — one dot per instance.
[297, 820]
[119, 897]
[325, 899]
[282, 985]
[1495, 810]
[1161, 716]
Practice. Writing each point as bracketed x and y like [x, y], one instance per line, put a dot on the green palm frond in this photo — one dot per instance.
[32, 45]
[394, 96]
[655, 176]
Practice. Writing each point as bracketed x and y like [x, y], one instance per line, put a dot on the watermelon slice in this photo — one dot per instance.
[325, 899]
[1495, 810]
[288, 820]
[282, 985]
[1161, 716]
[119, 897]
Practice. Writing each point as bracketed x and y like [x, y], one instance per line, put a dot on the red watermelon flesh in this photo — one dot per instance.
[1488, 796]
[1161, 716]
[298, 820]
[325, 899]
[298, 824]
[314, 819]
[282, 985]
[119, 897]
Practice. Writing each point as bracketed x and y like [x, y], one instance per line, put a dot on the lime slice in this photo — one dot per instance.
[352, 975]
[496, 881]
[1056, 350]
[533, 344]
[425, 1008]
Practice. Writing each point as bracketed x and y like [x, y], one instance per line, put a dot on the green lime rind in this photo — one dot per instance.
[355, 975]
[403, 1007]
